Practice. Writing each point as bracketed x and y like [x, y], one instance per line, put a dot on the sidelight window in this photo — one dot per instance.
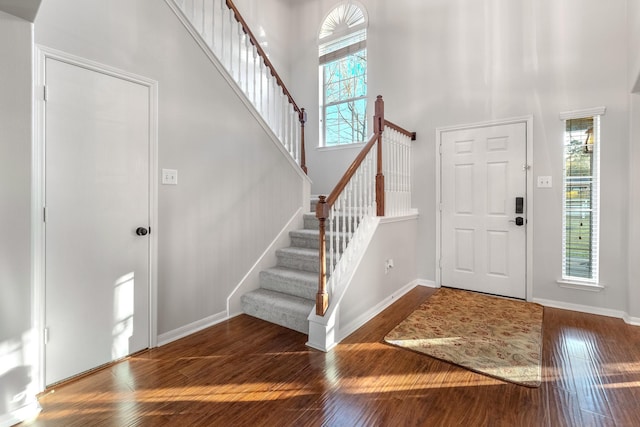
[581, 199]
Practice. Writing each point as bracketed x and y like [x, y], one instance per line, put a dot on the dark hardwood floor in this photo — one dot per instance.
[246, 372]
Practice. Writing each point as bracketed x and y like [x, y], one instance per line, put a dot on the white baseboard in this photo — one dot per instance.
[586, 309]
[373, 311]
[191, 328]
[426, 283]
[635, 321]
[25, 413]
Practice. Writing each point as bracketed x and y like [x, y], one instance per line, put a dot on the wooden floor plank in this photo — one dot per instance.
[249, 372]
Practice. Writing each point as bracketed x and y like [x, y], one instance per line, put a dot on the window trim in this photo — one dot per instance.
[574, 282]
[325, 105]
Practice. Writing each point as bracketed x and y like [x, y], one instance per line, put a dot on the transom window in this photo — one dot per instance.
[581, 199]
[343, 76]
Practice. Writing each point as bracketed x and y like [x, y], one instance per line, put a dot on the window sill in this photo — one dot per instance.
[341, 146]
[581, 286]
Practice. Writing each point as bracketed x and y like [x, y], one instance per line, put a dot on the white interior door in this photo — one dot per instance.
[483, 243]
[97, 145]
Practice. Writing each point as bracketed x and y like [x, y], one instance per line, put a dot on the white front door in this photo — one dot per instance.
[97, 159]
[484, 219]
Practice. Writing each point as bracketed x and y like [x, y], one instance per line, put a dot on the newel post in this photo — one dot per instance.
[378, 128]
[322, 298]
[303, 156]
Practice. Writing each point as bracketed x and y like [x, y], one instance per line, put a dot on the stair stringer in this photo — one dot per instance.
[323, 329]
[234, 86]
[251, 280]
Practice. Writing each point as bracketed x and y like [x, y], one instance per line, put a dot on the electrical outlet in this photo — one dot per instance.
[169, 177]
[388, 264]
[544, 182]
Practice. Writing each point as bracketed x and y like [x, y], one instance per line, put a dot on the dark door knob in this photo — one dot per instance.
[519, 221]
[141, 231]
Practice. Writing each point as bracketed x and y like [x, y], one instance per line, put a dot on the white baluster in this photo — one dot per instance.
[360, 191]
[255, 89]
[284, 119]
[231, 44]
[293, 122]
[247, 46]
[262, 97]
[274, 106]
[204, 33]
[347, 205]
[212, 26]
[240, 34]
[268, 95]
[223, 11]
[330, 234]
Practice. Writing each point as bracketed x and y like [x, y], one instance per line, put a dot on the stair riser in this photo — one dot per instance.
[310, 264]
[288, 285]
[288, 319]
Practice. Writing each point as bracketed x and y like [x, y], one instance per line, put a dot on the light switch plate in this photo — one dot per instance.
[544, 182]
[169, 177]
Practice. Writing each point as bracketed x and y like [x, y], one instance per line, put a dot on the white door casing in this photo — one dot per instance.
[482, 169]
[97, 164]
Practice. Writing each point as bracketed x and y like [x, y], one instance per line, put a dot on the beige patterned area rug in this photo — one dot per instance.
[495, 336]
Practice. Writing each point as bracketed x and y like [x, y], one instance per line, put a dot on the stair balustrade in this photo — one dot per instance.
[377, 183]
[224, 31]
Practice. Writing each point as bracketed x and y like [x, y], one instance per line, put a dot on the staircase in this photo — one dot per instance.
[288, 290]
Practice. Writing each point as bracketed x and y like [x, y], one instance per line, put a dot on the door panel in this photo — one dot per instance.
[482, 174]
[97, 194]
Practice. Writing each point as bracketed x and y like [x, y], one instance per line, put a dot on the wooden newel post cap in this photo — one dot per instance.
[321, 207]
[303, 117]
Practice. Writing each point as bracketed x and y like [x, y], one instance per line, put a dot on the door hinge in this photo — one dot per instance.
[440, 207]
[44, 214]
[440, 148]
[440, 263]
[46, 335]
[45, 93]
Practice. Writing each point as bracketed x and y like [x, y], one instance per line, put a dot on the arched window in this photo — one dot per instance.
[343, 75]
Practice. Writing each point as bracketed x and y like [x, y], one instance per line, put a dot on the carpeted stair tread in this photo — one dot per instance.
[299, 283]
[279, 308]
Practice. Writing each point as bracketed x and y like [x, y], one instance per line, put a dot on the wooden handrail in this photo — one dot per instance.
[403, 131]
[262, 53]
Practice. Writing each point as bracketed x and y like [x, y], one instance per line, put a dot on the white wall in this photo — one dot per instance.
[15, 210]
[448, 62]
[633, 24]
[236, 190]
[370, 286]
[633, 300]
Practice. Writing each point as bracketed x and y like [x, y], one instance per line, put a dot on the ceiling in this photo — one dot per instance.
[25, 9]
